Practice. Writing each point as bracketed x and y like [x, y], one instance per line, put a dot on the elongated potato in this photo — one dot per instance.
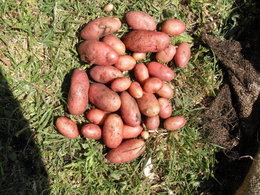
[165, 108]
[100, 27]
[141, 72]
[143, 41]
[129, 110]
[67, 127]
[135, 90]
[160, 71]
[166, 55]
[182, 55]
[166, 91]
[174, 123]
[152, 85]
[173, 27]
[104, 98]
[125, 63]
[97, 52]
[113, 131]
[148, 105]
[139, 56]
[140, 21]
[115, 43]
[105, 74]
[96, 116]
[152, 123]
[78, 93]
[131, 132]
[120, 84]
[127, 151]
[91, 131]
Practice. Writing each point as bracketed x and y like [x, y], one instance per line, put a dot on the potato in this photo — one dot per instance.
[115, 43]
[174, 123]
[152, 85]
[166, 91]
[96, 116]
[139, 56]
[143, 41]
[141, 72]
[135, 90]
[140, 21]
[182, 55]
[152, 123]
[165, 108]
[125, 63]
[91, 131]
[104, 98]
[145, 134]
[97, 52]
[113, 131]
[100, 27]
[131, 132]
[173, 27]
[67, 127]
[160, 71]
[148, 105]
[129, 110]
[120, 84]
[166, 55]
[127, 151]
[109, 7]
[105, 74]
[78, 93]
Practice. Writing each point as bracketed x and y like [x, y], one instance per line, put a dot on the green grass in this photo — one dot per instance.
[38, 50]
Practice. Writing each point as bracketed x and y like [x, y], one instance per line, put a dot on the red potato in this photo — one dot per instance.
[113, 131]
[152, 85]
[125, 63]
[97, 52]
[100, 27]
[139, 56]
[152, 123]
[148, 105]
[165, 108]
[91, 131]
[135, 90]
[174, 123]
[140, 21]
[115, 43]
[131, 132]
[182, 55]
[166, 55]
[96, 116]
[104, 98]
[105, 74]
[128, 151]
[166, 91]
[173, 27]
[129, 110]
[120, 84]
[78, 93]
[141, 72]
[143, 41]
[67, 127]
[160, 71]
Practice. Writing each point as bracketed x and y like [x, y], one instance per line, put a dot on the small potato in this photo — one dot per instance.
[165, 108]
[182, 56]
[141, 72]
[148, 105]
[174, 123]
[113, 131]
[125, 63]
[104, 98]
[166, 91]
[131, 132]
[100, 27]
[152, 85]
[140, 21]
[152, 123]
[109, 7]
[128, 151]
[67, 127]
[96, 116]
[173, 27]
[160, 71]
[145, 134]
[166, 55]
[78, 93]
[91, 131]
[120, 84]
[139, 56]
[135, 90]
[105, 74]
[97, 52]
[115, 43]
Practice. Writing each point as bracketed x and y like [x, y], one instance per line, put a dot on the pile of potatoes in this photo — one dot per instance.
[124, 105]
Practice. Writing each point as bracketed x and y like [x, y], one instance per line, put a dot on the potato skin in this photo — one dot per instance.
[165, 108]
[139, 56]
[166, 91]
[105, 74]
[143, 41]
[152, 85]
[140, 21]
[141, 72]
[173, 27]
[96, 116]
[67, 127]
[166, 55]
[148, 105]
[135, 90]
[129, 110]
[97, 52]
[174, 123]
[115, 43]
[152, 123]
[91, 131]
[120, 84]
[125, 63]
[160, 71]
[78, 93]
[128, 151]
[104, 98]
[182, 55]
[131, 132]
[100, 27]
[113, 131]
